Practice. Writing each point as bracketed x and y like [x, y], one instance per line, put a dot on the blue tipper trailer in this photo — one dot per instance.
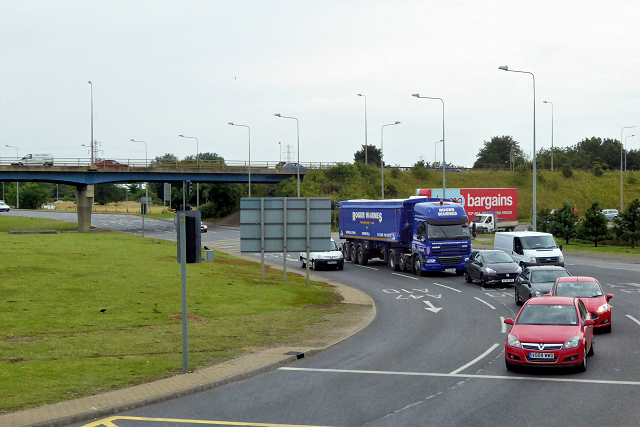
[419, 234]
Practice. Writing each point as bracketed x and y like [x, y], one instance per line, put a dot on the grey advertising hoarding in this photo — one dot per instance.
[283, 221]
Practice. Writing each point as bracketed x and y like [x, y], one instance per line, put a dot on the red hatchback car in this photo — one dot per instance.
[590, 292]
[550, 331]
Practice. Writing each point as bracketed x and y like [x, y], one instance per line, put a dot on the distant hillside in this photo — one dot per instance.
[350, 181]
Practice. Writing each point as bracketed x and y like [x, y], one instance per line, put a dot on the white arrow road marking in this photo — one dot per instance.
[431, 307]
[463, 367]
[406, 277]
[634, 319]
[453, 289]
[484, 302]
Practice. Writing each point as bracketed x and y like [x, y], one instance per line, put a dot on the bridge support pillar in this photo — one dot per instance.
[84, 201]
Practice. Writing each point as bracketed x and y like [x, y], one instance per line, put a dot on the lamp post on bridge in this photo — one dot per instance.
[249, 129]
[146, 201]
[298, 134]
[17, 188]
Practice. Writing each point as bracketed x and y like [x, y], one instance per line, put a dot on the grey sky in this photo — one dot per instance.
[163, 68]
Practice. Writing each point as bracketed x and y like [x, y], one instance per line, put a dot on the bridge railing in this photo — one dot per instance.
[119, 163]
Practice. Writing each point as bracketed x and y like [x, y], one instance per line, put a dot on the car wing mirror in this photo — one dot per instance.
[609, 296]
[589, 322]
[508, 321]
[560, 247]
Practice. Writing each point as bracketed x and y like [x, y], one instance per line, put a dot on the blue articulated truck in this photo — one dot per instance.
[419, 234]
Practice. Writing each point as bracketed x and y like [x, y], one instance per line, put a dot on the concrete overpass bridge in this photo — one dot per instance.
[83, 176]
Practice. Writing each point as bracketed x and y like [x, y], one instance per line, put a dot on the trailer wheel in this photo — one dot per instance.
[346, 251]
[360, 256]
[392, 261]
[352, 253]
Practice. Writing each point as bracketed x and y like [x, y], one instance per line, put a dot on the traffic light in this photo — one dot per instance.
[189, 187]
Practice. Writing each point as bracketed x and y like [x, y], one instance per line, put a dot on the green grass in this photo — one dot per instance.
[86, 313]
[23, 223]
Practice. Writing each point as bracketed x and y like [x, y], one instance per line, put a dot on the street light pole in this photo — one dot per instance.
[298, 135]
[621, 148]
[197, 163]
[549, 102]
[146, 159]
[249, 129]
[366, 144]
[534, 220]
[625, 150]
[444, 178]
[17, 188]
[382, 153]
[435, 152]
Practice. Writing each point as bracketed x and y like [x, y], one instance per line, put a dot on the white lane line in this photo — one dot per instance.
[406, 277]
[453, 289]
[463, 367]
[482, 377]
[484, 302]
[504, 325]
[364, 266]
[634, 319]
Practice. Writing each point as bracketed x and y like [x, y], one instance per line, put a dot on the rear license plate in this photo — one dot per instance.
[507, 280]
[332, 262]
[541, 355]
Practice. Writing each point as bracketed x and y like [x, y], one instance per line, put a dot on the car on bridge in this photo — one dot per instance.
[293, 166]
[111, 164]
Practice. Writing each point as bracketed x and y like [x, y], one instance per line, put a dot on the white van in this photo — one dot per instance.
[530, 248]
[35, 160]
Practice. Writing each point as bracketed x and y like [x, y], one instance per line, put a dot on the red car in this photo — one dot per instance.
[111, 164]
[550, 331]
[590, 292]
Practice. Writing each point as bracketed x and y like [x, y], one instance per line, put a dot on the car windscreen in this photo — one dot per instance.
[547, 275]
[547, 314]
[578, 289]
[497, 257]
[538, 242]
[448, 232]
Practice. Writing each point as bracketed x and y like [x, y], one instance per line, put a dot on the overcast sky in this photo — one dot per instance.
[164, 68]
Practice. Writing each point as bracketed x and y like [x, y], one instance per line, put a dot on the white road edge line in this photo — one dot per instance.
[463, 367]
[406, 277]
[364, 266]
[453, 289]
[486, 377]
[484, 302]
[634, 319]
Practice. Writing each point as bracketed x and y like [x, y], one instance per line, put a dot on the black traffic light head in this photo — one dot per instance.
[189, 187]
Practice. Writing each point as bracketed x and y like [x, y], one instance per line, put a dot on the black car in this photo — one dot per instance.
[536, 281]
[491, 267]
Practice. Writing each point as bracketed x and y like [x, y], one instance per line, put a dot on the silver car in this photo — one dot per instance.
[611, 214]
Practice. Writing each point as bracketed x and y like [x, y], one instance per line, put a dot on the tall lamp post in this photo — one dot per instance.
[298, 134]
[435, 152]
[549, 102]
[92, 159]
[621, 149]
[444, 182]
[249, 129]
[17, 190]
[382, 153]
[146, 157]
[197, 163]
[366, 144]
[625, 150]
[534, 220]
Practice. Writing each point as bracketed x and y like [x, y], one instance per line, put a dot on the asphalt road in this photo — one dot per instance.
[432, 357]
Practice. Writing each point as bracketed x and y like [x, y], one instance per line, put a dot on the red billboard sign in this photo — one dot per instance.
[501, 201]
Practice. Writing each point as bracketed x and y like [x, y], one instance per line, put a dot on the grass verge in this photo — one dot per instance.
[87, 313]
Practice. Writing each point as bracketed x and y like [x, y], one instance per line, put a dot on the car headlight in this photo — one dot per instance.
[512, 341]
[561, 257]
[572, 342]
[604, 307]
[519, 270]
[490, 270]
[532, 258]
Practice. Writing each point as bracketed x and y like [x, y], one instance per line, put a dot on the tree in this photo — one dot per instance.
[105, 193]
[544, 220]
[32, 195]
[626, 225]
[564, 222]
[594, 225]
[374, 155]
[497, 153]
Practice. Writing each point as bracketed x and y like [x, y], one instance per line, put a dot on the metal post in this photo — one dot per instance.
[284, 233]
[249, 129]
[183, 282]
[262, 237]
[92, 147]
[444, 176]
[549, 102]
[308, 239]
[366, 144]
[621, 189]
[17, 187]
[298, 136]
[197, 164]
[382, 154]
[625, 150]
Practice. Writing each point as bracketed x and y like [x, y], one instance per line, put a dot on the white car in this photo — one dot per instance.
[611, 214]
[325, 259]
[4, 207]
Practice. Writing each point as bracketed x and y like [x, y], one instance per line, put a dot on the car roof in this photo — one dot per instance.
[576, 279]
[549, 300]
[546, 268]
[487, 251]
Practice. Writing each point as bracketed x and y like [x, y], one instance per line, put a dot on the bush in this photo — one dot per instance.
[567, 171]
[597, 170]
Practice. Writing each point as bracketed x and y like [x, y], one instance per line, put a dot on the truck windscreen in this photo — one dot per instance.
[448, 232]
